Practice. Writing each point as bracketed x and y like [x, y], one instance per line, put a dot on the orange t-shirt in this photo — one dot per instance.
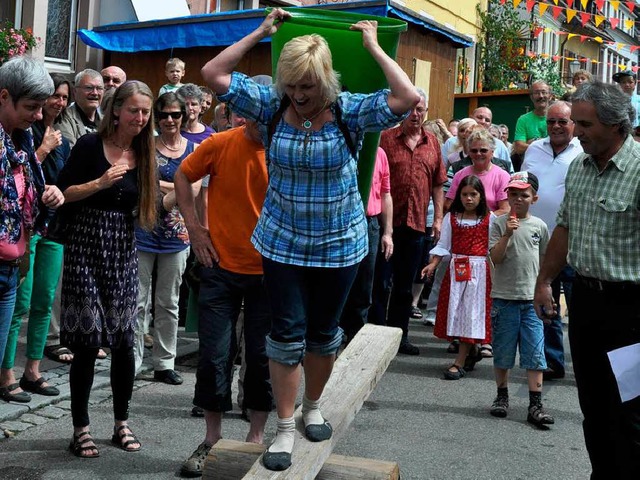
[237, 188]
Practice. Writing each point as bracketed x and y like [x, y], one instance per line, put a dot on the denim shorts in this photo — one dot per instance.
[515, 325]
[306, 304]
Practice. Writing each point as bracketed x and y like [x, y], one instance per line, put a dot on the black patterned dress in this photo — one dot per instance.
[100, 275]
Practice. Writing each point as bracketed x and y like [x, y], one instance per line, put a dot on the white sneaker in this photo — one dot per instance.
[429, 319]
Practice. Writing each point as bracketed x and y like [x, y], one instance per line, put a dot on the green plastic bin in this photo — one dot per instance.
[359, 72]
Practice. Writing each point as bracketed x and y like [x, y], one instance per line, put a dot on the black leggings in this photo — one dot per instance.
[81, 381]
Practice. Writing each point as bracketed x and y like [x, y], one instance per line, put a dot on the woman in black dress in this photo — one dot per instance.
[110, 178]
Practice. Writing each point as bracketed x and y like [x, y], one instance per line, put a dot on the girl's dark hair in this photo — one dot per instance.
[475, 183]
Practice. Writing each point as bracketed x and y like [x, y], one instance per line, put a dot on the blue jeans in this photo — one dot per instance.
[553, 334]
[514, 325]
[356, 310]
[407, 255]
[306, 303]
[8, 288]
[219, 303]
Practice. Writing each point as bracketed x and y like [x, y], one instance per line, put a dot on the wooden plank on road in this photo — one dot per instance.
[355, 374]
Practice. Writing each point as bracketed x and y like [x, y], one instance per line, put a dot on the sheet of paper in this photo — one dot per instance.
[625, 363]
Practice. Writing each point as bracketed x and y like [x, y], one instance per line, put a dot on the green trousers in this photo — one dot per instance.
[44, 272]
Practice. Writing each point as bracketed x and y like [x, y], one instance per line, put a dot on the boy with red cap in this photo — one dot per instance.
[517, 242]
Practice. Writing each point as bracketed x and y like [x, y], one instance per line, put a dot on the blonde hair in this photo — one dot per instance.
[481, 135]
[582, 73]
[463, 125]
[174, 62]
[143, 146]
[308, 54]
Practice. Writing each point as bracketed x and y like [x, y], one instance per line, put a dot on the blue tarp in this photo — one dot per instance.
[217, 29]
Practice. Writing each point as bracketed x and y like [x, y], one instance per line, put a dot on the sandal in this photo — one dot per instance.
[415, 312]
[454, 346]
[80, 444]
[457, 375]
[101, 354]
[486, 351]
[119, 438]
[55, 353]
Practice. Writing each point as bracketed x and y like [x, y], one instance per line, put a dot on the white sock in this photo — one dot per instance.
[310, 412]
[284, 436]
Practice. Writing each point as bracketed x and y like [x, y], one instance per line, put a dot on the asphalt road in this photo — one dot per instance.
[435, 429]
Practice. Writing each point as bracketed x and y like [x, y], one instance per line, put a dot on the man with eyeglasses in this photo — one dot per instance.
[531, 126]
[83, 116]
[549, 159]
[113, 77]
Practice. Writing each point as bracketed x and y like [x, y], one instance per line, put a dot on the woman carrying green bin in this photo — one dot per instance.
[312, 232]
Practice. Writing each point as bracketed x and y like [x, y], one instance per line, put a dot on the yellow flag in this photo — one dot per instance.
[571, 35]
[615, 4]
[584, 4]
[598, 19]
[570, 14]
[628, 24]
[556, 2]
[543, 8]
[517, 2]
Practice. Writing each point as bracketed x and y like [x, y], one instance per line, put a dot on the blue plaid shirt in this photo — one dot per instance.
[313, 214]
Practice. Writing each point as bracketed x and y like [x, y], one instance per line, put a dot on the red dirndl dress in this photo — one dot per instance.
[469, 301]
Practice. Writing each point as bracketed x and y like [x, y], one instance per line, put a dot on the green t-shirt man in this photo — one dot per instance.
[530, 127]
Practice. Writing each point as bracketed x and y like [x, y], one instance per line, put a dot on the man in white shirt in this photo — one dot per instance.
[549, 159]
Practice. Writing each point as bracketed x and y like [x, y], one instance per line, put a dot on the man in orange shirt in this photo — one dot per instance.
[232, 271]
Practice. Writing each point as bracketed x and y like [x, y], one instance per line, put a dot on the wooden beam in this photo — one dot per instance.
[231, 460]
[355, 374]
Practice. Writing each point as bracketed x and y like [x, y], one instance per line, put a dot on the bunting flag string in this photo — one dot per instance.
[584, 17]
[585, 60]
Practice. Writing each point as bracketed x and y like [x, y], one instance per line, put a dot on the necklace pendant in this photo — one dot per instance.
[307, 124]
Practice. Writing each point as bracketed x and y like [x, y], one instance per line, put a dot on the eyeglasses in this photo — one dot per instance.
[562, 121]
[165, 115]
[479, 150]
[91, 88]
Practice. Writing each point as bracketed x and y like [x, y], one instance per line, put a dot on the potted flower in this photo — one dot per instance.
[15, 41]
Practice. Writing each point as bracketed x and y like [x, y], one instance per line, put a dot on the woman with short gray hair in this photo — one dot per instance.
[192, 129]
[24, 87]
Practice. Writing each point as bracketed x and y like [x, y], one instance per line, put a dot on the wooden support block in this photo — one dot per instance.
[355, 374]
[231, 460]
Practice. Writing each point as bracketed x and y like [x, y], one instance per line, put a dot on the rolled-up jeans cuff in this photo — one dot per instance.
[326, 348]
[285, 353]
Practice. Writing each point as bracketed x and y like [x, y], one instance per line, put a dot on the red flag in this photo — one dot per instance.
[537, 31]
[502, 2]
[584, 18]
[570, 3]
[556, 11]
[614, 22]
[600, 5]
[633, 48]
[555, 58]
[634, 69]
[530, 4]
[631, 5]
[583, 38]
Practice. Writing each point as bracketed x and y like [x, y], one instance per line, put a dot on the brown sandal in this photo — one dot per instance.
[119, 439]
[80, 444]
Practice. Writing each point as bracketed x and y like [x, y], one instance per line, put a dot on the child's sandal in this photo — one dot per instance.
[80, 445]
[119, 439]
[455, 375]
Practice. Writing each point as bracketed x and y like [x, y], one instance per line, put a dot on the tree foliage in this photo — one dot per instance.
[502, 49]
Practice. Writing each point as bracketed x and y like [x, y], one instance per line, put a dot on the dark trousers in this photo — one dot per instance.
[81, 380]
[356, 310]
[407, 253]
[601, 321]
[553, 334]
[219, 303]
